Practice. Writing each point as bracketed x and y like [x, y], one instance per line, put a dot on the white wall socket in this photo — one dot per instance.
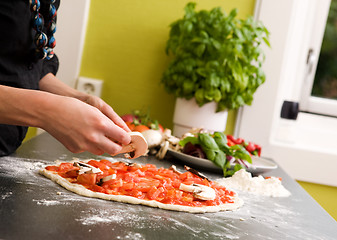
[90, 85]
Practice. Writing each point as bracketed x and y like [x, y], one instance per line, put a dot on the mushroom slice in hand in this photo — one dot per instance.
[199, 191]
[136, 148]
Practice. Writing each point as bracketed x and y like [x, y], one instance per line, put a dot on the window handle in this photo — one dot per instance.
[311, 59]
[290, 110]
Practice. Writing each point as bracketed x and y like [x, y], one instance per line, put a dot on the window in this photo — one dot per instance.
[307, 147]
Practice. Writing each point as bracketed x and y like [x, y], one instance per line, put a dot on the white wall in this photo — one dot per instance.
[72, 19]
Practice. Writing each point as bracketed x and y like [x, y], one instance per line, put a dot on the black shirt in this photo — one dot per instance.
[17, 65]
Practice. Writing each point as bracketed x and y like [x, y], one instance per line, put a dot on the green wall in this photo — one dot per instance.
[326, 196]
[125, 47]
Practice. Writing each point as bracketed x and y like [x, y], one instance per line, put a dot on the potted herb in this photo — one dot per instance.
[216, 59]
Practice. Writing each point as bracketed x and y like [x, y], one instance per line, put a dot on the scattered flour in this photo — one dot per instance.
[133, 236]
[6, 195]
[46, 202]
[243, 181]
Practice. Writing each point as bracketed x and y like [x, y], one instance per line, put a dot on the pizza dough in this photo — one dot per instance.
[81, 190]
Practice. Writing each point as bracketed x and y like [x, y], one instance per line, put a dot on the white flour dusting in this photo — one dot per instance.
[6, 195]
[243, 181]
[120, 216]
[46, 202]
[133, 236]
[23, 171]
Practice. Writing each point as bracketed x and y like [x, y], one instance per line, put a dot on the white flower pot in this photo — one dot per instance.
[188, 114]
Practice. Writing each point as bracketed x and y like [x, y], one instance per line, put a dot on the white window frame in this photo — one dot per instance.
[307, 102]
[305, 148]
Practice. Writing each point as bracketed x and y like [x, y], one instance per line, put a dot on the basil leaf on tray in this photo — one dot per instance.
[216, 149]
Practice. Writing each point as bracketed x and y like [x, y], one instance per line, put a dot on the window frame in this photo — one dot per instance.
[310, 103]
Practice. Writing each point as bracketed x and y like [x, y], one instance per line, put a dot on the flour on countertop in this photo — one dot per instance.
[6, 195]
[46, 202]
[243, 181]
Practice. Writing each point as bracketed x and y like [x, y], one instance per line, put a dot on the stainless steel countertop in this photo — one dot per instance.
[33, 207]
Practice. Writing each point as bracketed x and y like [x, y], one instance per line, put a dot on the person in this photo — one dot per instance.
[32, 95]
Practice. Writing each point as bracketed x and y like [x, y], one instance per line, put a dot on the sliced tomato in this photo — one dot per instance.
[52, 168]
[167, 183]
[141, 128]
[150, 168]
[154, 193]
[131, 177]
[137, 194]
[71, 174]
[230, 142]
[186, 175]
[119, 166]
[150, 193]
[157, 176]
[87, 179]
[197, 204]
[143, 187]
[168, 174]
[133, 168]
[65, 167]
[97, 188]
[106, 162]
[97, 164]
[176, 183]
[128, 185]
[187, 197]
[113, 183]
[140, 173]
[173, 194]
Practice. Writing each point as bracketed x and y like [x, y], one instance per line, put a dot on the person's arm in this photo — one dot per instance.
[77, 125]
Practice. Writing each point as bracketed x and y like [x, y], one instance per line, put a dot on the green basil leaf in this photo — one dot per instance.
[220, 159]
[221, 139]
[207, 141]
[193, 140]
[210, 153]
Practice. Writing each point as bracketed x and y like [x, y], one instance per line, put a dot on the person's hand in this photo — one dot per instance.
[106, 110]
[82, 127]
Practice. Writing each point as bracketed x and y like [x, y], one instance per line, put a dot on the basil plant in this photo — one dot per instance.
[216, 57]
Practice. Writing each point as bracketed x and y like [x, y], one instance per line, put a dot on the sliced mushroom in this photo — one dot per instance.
[85, 168]
[136, 148]
[174, 169]
[110, 177]
[163, 150]
[199, 191]
[195, 172]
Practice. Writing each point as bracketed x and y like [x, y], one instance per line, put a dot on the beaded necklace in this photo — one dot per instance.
[45, 42]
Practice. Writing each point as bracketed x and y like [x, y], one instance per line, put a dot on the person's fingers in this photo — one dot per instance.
[117, 134]
[110, 113]
[109, 146]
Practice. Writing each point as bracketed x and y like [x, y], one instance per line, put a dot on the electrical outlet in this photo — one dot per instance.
[90, 85]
